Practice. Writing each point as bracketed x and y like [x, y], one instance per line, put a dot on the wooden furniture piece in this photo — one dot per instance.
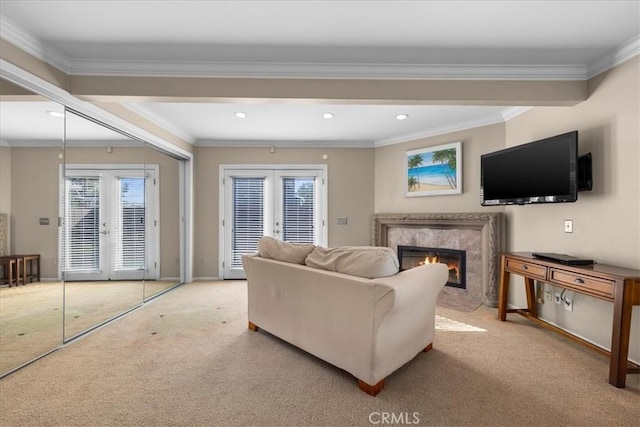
[10, 270]
[18, 268]
[618, 285]
[30, 268]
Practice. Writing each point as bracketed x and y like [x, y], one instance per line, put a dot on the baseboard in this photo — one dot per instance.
[205, 278]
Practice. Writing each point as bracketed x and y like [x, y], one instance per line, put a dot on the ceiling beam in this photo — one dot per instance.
[334, 90]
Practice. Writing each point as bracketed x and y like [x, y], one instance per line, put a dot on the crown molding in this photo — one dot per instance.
[325, 70]
[442, 130]
[627, 51]
[33, 45]
[284, 144]
[511, 112]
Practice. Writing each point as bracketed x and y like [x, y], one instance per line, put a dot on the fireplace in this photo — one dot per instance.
[456, 260]
[479, 234]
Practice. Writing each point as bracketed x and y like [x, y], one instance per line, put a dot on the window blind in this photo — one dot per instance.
[248, 217]
[299, 209]
[82, 224]
[129, 224]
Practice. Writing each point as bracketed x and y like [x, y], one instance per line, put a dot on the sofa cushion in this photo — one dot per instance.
[268, 247]
[370, 262]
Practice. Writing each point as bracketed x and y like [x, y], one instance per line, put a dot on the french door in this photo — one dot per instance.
[285, 203]
[109, 224]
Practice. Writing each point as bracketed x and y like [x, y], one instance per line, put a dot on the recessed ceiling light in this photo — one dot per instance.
[57, 114]
[402, 116]
[327, 115]
[240, 114]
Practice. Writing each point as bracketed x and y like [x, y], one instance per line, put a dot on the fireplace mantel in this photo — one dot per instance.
[489, 224]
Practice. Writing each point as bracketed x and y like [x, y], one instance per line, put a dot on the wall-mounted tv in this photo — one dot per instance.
[543, 171]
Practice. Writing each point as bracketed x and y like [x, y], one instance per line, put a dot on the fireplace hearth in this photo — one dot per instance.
[456, 260]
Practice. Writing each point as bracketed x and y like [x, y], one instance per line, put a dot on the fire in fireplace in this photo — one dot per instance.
[456, 260]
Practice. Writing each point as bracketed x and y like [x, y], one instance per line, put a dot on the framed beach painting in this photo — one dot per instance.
[433, 171]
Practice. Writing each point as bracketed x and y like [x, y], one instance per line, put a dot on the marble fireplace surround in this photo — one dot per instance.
[480, 234]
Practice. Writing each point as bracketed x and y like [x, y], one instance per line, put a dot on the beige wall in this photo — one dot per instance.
[389, 173]
[606, 220]
[34, 195]
[350, 174]
[5, 189]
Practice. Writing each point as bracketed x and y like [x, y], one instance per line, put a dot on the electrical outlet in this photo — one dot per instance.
[557, 297]
[568, 304]
[568, 226]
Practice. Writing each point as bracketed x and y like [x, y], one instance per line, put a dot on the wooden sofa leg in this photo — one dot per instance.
[253, 327]
[428, 347]
[371, 389]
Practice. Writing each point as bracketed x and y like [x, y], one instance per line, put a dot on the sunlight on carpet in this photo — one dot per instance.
[444, 324]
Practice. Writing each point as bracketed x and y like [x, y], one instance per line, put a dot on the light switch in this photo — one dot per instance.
[568, 226]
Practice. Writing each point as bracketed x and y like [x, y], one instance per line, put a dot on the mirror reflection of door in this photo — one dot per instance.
[102, 239]
[109, 223]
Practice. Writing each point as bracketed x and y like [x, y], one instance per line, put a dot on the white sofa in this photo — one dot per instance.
[369, 327]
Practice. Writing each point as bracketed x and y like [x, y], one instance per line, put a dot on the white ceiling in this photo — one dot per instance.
[452, 39]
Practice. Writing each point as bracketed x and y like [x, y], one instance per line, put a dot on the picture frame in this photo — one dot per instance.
[433, 171]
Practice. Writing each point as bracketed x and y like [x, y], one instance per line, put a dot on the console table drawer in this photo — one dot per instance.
[584, 283]
[522, 267]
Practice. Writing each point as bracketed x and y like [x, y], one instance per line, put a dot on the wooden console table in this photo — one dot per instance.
[618, 285]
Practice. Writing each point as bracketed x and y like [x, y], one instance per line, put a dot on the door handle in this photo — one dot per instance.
[104, 232]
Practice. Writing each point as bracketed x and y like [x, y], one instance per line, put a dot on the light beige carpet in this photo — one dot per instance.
[188, 359]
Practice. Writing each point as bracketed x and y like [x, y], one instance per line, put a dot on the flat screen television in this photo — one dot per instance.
[543, 171]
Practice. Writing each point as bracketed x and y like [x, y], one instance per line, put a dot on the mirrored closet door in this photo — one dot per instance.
[108, 222]
[31, 292]
[90, 225]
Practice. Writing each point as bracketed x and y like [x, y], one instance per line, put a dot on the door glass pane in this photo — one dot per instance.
[129, 224]
[81, 226]
[298, 210]
[248, 218]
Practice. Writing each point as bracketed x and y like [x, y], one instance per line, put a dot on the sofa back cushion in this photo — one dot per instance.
[268, 247]
[370, 262]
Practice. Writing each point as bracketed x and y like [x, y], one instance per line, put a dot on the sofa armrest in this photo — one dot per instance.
[419, 283]
[409, 326]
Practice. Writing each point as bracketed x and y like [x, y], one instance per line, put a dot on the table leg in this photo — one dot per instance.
[503, 293]
[531, 296]
[622, 309]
